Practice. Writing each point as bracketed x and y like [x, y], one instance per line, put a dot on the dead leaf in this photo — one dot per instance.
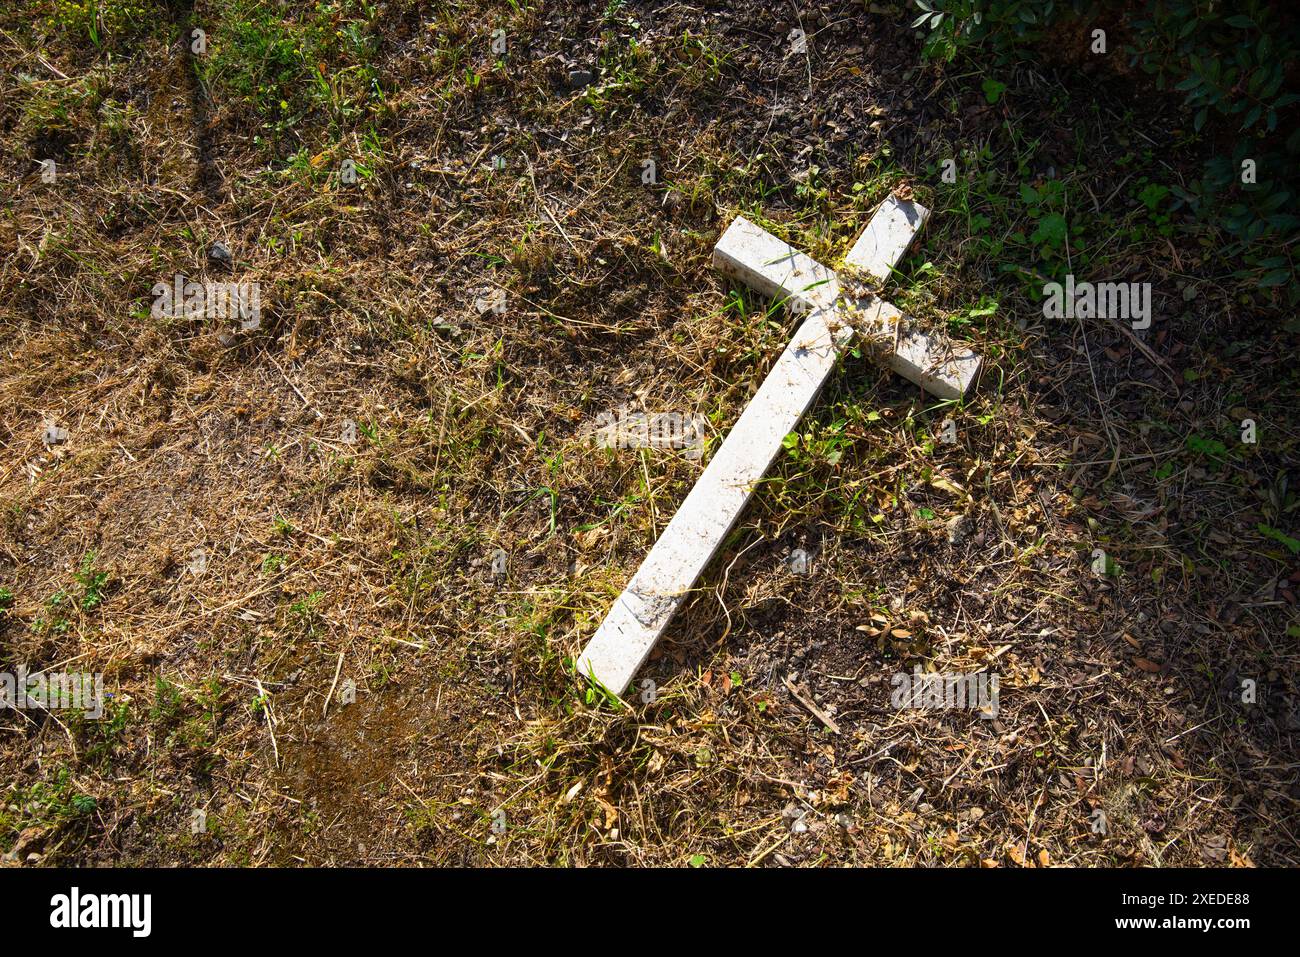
[944, 485]
[611, 812]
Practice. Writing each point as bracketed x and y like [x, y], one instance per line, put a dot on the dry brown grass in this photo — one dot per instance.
[329, 562]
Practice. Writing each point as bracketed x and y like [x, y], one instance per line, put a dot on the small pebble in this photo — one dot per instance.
[220, 254]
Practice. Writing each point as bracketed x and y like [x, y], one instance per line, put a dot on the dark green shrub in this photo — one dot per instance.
[1230, 69]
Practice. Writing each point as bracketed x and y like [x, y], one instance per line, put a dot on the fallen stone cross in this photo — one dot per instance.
[836, 308]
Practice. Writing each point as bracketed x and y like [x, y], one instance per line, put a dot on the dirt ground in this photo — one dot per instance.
[242, 526]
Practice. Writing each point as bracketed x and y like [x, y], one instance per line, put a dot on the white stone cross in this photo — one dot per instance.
[757, 258]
